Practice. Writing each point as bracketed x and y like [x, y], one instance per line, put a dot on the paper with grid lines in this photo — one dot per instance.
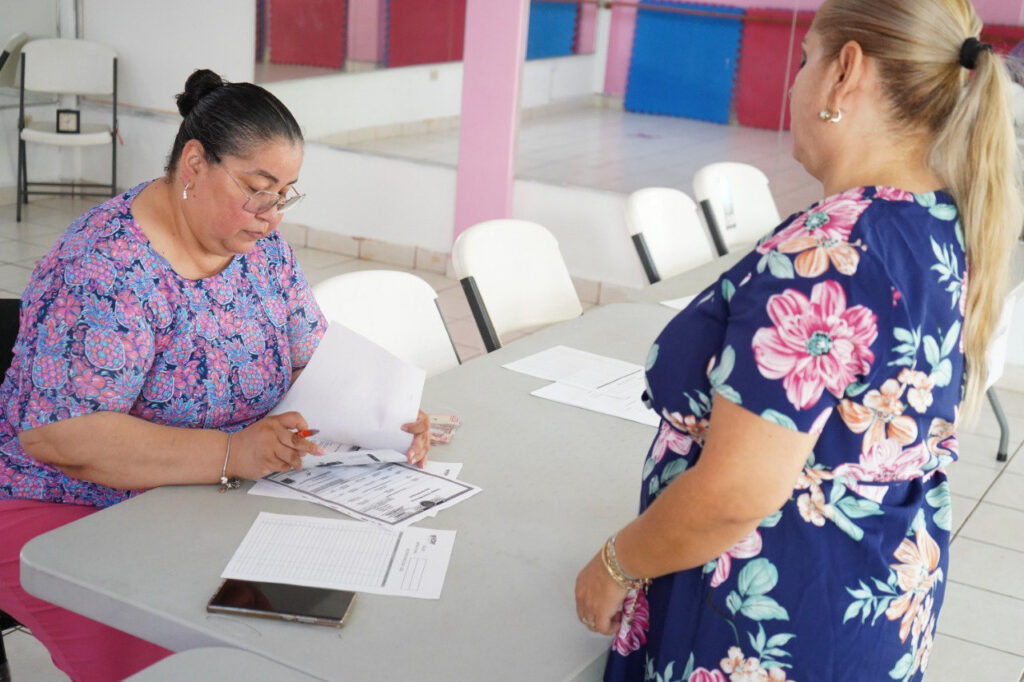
[343, 555]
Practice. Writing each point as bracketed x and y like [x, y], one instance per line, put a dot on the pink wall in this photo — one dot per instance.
[493, 55]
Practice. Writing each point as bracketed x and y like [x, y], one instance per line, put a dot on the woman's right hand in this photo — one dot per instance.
[270, 445]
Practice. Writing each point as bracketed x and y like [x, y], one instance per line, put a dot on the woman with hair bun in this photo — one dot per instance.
[795, 510]
[155, 337]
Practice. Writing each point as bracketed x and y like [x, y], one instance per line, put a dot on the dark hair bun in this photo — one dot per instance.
[200, 84]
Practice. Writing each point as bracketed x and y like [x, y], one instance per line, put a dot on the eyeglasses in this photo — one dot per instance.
[262, 201]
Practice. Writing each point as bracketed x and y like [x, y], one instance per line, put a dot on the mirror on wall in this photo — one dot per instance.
[304, 38]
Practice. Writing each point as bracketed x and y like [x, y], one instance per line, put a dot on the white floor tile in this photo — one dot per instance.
[29, 660]
[14, 277]
[987, 567]
[969, 479]
[1015, 465]
[312, 259]
[1008, 491]
[982, 617]
[996, 525]
[963, 507]
[954, 660]
[979, 450]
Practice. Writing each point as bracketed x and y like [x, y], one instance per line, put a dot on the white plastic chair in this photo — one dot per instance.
[9, 59]
[667, 232]
[64, 66]
[514, 277]
[736, 202]
[396, 310]
[996, 362]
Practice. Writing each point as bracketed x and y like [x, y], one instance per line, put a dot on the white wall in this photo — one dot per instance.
[160, 43]
[350, 101]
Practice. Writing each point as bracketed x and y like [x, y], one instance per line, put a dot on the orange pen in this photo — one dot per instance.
[306, 433]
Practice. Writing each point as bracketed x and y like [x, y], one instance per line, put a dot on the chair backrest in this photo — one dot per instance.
[10, 309]
[1001, 337]
[735, 199]
[664, 222]
[68, 66]
[9, 59]
[515, 272]
[396, 310]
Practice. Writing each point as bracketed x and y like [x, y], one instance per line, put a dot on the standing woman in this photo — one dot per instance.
[795, 511]
[155, 337]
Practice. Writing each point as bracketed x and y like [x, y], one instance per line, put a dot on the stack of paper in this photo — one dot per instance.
[593, 382]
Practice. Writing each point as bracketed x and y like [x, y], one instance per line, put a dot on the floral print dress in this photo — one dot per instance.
[845, 322]
[108, 325]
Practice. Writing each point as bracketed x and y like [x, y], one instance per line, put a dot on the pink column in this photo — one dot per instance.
[364, 30]
[585, 32]
[620, 49]
[493, 56]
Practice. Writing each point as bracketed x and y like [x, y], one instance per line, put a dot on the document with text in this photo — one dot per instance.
[390, 495]
[343, 555]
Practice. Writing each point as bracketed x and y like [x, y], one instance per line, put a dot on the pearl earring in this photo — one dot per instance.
[826, 115]
[184, 192]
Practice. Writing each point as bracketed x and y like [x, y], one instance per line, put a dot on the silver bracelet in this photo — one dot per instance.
[225, 482]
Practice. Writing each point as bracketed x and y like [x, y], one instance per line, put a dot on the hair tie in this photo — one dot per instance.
[969, 52]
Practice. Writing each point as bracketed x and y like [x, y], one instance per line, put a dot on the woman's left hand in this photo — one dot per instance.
[420, 430]
[598, 598]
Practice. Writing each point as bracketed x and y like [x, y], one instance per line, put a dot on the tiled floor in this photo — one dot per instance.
[619, 151]
[982, 626]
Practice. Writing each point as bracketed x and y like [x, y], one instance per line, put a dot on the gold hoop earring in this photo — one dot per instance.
[826, 115]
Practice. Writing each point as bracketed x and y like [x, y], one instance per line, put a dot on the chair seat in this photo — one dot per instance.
[43, 132]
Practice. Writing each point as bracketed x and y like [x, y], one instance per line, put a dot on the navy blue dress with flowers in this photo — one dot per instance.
[845, 322]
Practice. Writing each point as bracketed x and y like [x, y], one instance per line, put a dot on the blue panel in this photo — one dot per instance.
[684, 65]
[552, 30]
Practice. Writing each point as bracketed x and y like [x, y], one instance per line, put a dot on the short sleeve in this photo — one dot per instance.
[800, 334]
[86, 345]
[306, 323]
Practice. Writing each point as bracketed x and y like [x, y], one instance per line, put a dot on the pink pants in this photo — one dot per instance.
[82, 648]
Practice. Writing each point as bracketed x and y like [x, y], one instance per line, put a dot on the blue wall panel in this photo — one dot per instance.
[552, 30]
[684, 65]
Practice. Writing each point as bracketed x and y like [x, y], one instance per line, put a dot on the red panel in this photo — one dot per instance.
[309, 32]
[762, 82]
[425, 31]
[1003, 38]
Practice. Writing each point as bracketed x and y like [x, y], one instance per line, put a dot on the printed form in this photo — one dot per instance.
[389, 495]
[343, 555]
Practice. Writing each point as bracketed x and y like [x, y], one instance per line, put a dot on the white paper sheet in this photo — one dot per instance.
[388, 495]
[620, 398]
[679, 303]
[572, 366]
[351, 455]
[343, 555]
[354, 391]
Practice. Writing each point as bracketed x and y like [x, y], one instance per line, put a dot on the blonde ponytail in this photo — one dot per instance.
[967, 113]
[976, 153]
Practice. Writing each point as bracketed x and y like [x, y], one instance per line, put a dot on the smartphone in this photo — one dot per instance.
[314, 605]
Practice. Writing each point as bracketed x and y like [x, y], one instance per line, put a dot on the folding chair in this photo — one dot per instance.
[667, 232]
[996, 362]
[736, 202]
[65, 66]
[395, 310]
[514, 277]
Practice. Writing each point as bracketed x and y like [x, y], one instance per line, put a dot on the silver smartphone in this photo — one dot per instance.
[314, 605]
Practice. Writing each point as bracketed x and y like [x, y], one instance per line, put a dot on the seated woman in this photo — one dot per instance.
[155, 337]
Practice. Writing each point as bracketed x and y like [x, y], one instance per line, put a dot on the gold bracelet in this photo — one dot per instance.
[225, 482]
[611, 564]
